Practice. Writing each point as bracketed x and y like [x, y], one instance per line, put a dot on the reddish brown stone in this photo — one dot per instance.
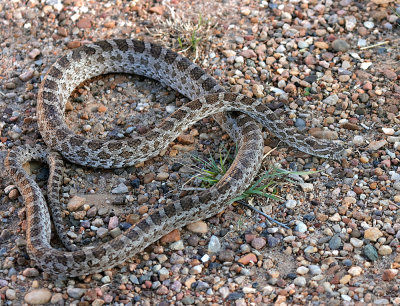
[389, 274]
[84, 23]
[110, 24]
[245, 260]
[185, 139]
[62, 31]
[157, 10]
[350, 126]
[310, 60]
[173, 236]
[358, 190]
[73, 44]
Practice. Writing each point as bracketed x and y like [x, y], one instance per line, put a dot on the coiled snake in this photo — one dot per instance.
[171, 69]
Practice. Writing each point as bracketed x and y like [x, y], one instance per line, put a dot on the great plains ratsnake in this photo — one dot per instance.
[171, 69]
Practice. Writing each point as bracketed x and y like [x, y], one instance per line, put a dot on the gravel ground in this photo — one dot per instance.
[330, 68]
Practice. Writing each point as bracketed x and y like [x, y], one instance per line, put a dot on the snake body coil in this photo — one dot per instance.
[171, 69]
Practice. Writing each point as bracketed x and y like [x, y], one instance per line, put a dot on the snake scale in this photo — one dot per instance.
[239, 115]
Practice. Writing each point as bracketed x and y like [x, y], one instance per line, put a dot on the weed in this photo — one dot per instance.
[188, 37]
[212, 170]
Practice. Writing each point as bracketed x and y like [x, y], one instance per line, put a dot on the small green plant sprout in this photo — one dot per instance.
[268, 181]
[180, 43]
[211, 170]
[188, 34]
[192, 34]
[307, 91]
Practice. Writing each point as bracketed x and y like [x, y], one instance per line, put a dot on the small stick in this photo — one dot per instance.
[376, 45]
[263, 214]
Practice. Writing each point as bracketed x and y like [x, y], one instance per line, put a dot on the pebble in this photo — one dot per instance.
[335, 242]
[170, 109]
[162, 176]
[355, 271]
[384, 250]
[245, 260]
[76, 293]
[248, 53]
[302, 270]
[365, 65]
[239, 59]
[345, 279]
[273, 241]
[369, 24]
[290, 204]
[34, 53]
[86, 127]
[177, 246]
[376, 145]
[361, 43]
[358, 140]
[102, 232]
[30, 272]
[121, 188]
[351, 23]
[199, 227]
[340, 45]
[148, 178]
[214, 246]
[389, 274]
[224, 291]
[196, 269]
[372, 234]
[281, 49]
[162, 290]
[299, 123]
[258, 243]
[307, 187]
[163, 274]
[370, 252]
[226, 255]
[173, 236]
[106, 279]
[302, 44]
[11, 294]
[321, 45]
[142, 198]
[390, 74]
[75, 203]
[38, 296]
[188, 300]
[300, 281]
[315, 270]
[331, 100]
[26, 76]
[388, 131]
[357, 243]
[56, 298]
[300, 227]
[310, 249]
[113, 223]
[258, 91]
[229, 53]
